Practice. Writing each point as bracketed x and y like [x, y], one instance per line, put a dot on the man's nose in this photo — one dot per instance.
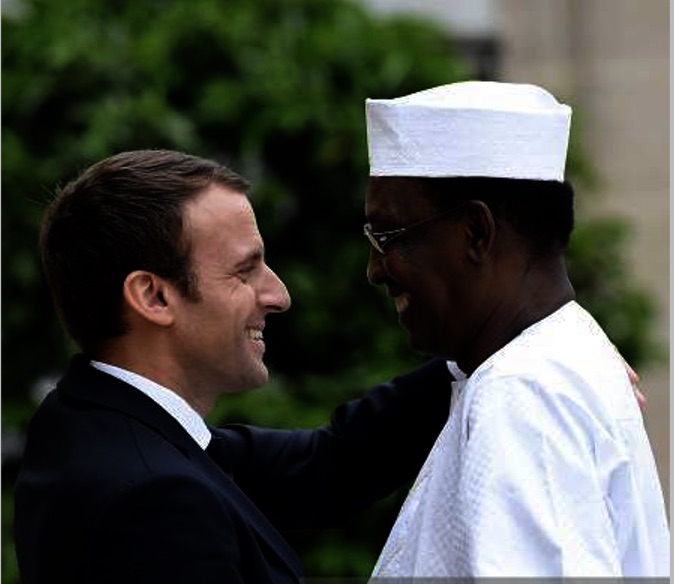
[375, 268]
[275, 296]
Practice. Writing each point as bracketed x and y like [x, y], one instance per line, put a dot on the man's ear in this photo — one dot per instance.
[147, 295]
[480, 230]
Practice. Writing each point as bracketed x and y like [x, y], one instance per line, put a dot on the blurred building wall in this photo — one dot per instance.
[610, 60]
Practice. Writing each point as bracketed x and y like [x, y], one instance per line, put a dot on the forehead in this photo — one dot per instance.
[221, 221]
[395, 199]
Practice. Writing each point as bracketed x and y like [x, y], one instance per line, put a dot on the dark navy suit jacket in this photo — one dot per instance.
[113, 489]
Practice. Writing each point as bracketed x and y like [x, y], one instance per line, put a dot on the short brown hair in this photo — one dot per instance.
[122, 214]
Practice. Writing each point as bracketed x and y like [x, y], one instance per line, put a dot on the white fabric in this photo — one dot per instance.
[473, 128]
[543, 469]
[175, 405]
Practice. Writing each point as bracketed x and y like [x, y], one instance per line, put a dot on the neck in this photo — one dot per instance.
[543, 288]
[156, 366]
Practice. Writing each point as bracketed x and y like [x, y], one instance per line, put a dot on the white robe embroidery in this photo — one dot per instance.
[543, 469]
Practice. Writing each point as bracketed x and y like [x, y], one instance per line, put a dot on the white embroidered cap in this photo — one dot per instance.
[472, 128]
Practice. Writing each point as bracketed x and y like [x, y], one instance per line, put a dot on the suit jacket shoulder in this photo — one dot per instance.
[109, 473]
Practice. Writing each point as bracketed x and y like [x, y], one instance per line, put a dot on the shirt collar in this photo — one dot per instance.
[455, 371]
[460, 381]
[175, 405]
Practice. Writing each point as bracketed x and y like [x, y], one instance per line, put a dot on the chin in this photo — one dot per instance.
[259, 377]
[417, 341]
[253, 379]
[425, 347]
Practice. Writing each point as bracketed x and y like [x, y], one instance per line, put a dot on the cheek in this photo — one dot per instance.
[439, 305]
[402, 265]
[432, 279]
[440, 295]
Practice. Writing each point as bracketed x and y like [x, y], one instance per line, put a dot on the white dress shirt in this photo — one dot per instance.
[543, 469]
[175, 405]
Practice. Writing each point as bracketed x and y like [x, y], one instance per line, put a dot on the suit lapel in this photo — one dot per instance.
[85, 383]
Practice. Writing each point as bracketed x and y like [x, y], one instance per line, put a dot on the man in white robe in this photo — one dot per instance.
[544, 467]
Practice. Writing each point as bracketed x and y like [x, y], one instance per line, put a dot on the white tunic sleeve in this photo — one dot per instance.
[529, 498]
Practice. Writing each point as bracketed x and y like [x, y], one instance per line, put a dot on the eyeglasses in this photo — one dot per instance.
[382, 239]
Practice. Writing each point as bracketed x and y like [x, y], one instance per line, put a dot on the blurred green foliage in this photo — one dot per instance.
[276, 90]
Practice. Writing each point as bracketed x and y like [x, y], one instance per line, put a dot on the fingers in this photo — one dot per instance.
[634, 380]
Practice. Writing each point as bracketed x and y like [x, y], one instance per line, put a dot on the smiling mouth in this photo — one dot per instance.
[255, 334]
[402, 302]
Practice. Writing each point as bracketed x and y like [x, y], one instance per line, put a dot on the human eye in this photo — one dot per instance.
[245, 273]
[249, 266]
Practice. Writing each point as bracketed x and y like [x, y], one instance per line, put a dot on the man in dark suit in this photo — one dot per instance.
[157, 270]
